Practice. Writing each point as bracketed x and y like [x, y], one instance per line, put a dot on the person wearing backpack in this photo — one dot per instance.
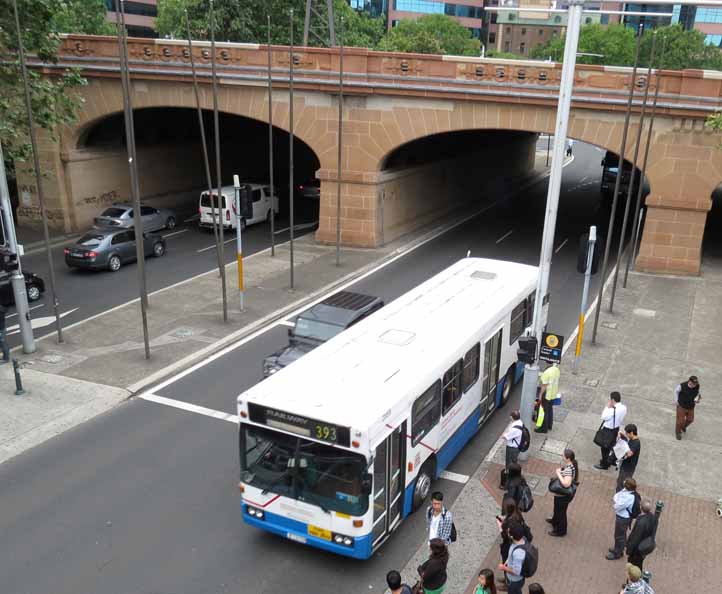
[518, 489]
[513, 438]
[640, 542]
[439, 520]
[522, 560]
[512, 515]
[433, 571]
[393, 581]
[626, 507]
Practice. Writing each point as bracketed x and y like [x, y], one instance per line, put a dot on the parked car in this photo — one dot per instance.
[260, 197]
[121, 215]
[311, 189]
[34, 287]
[319, 323]
[101, 249]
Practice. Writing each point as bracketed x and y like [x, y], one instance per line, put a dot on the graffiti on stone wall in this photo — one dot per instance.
[99, 200]
[34, 213]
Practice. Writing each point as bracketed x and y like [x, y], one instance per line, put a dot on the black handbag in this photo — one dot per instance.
[646, 546]
[606, 438]
[556, 487]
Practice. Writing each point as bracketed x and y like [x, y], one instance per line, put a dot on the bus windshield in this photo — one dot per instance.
[304, 470]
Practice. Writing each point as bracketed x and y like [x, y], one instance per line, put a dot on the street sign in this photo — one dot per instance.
[551, 347]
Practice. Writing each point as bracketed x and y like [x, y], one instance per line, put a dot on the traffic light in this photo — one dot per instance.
[246, 202]
[582, 253]
[526, 353]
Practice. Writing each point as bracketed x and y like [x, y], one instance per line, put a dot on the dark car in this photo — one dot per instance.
[106, 249]
[34, 286]
[320, 323]
[311, 189]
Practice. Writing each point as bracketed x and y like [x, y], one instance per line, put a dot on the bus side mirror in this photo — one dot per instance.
[367, 484]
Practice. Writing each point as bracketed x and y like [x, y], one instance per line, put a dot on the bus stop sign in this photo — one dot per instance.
[551, 347]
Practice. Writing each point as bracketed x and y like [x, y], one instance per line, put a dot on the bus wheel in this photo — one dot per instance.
[422, 486]
[508, 385]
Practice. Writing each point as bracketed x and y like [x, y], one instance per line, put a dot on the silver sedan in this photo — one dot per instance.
[121, 215]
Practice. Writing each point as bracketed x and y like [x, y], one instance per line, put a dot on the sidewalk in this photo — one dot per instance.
[663, 330]
[102, 363]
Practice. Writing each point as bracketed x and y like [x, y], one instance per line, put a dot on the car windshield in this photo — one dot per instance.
[316, 329]
[206, 201]
[113, 212]
[90, 239]
[304, 470]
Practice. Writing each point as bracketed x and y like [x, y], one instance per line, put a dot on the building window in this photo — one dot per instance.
[471, 367]
[492, 38]
[522, 47]
[523, 30]
[588, 21]
[425, 412]
[508, 30]
[541, 31]
[422, 6]
[493, 18]
[507, 46]
[452, 386]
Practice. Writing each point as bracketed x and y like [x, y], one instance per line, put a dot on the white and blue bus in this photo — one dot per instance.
[337, 448]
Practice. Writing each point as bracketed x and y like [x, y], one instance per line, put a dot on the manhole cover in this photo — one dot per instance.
[554, 446]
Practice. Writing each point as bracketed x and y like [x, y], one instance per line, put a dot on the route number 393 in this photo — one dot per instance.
[325, 432]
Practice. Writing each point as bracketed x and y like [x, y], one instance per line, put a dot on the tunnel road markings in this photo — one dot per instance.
[212, 247]
[188, 407]
[503, 237]
[454, 476]
[30, 309]
[561, 245]
[174, 233]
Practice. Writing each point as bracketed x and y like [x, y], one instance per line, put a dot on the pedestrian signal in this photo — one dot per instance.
[526, 353]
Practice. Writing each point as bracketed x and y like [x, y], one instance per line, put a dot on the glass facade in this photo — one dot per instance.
[374, 8]
[431, 7]
[689, 16]
[648, 22]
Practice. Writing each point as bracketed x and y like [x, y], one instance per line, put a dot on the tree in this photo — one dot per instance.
[431, 34]
[52, 98]
[614, 46]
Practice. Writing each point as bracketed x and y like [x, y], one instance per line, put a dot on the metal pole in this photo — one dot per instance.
[612, 214]
[38, 175]
[239, 240]
[638, 211]
[274, 200]
[531, 372]
[16, 279]
[549, 143]
[585, 294]
[133, 170]
[290, 143]
[201, 125]
[219, 182]
[340, 145]
[630, 189]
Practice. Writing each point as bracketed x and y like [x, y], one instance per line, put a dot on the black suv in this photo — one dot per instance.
[319, 323]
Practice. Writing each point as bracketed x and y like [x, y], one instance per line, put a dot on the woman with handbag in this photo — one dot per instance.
[563, 486]
[433, 571]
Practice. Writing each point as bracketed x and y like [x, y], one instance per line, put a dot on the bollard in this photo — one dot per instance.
[18, 381]
[646, 575]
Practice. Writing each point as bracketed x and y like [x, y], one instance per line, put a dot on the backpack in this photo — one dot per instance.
[526, 499]
[453, 536]
[636, 506]
[531, 560]
[525, 439]
[527, 532]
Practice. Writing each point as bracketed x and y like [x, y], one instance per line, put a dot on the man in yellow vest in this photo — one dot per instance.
[549, 381]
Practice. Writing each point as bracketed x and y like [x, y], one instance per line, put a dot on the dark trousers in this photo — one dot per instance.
[621, 525]
[604, 462]
[548, 414]
[4, 345]
[636, 559]
[623, 476]
[512, 455]
[515, 587]
[559, 519]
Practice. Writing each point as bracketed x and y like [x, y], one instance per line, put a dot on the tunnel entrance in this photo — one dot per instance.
[170, 161]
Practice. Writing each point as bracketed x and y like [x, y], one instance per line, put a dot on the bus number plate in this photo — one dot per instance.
[296, 537]
[319, 532]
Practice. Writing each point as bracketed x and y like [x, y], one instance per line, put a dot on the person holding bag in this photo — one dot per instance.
[564, 487]
[606, 436]
[433, 571]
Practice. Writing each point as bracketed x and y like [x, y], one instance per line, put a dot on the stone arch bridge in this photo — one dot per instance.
[391, 100]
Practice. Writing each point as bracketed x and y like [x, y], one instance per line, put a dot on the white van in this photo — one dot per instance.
[262, 201]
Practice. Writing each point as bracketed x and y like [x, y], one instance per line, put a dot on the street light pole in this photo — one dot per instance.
[270, 144]
[290, 149]
[531, 372]
[340, 146]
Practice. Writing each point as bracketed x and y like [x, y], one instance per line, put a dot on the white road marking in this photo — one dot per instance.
[503, 237]
[212, 247]
[175, 233]
[561, 245]
[188, 407]
[581, 181]
[453, 476]
[287, 323]
[39, 322]
[29, 309]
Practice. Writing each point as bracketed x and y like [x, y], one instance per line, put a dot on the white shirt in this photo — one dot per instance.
[513, 434]
[614, 417]
[434, 526]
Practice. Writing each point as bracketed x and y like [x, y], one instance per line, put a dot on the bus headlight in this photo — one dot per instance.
[255, 513]
[342, 539]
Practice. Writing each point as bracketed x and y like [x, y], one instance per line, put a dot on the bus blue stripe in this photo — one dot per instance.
[282, 526]
[457, 441]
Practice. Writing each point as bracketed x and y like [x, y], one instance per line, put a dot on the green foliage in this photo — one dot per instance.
[53, 101]
[431, 34]
[503, 55]
[616, 46]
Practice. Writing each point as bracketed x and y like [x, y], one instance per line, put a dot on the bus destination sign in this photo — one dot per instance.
[299, 425]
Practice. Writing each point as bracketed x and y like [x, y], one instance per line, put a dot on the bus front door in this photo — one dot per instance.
[490, 374]
[388, 485]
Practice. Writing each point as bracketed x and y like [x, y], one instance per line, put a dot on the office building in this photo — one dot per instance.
[139, 16]
[466, 12]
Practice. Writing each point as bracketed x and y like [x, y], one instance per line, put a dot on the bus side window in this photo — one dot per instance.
[471, 367]
[425, 412]
[517, 322]
[530, 309]
[452, 386]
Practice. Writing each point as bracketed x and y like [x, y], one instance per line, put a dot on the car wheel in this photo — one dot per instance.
[506, 390]
[114, 263]
[33, 292]
[170, 223]
[422, 486]
[158, 249]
